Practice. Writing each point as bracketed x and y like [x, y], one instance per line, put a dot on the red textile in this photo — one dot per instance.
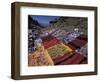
[62, 58]
[75, 58]
[84, 62]
[49, 41]
[83, 37]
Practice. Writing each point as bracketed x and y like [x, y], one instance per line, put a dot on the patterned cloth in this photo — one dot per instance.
[40, 58]
[58, 50]
[50, 41]
[72, 58]
[70, 37]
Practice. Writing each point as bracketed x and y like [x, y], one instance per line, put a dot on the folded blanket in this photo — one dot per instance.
[40, 58]
[50, 41]
[73, 58]
[58, 50]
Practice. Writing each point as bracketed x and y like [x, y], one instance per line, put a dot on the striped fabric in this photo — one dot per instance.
[49, 41]
[72, 58]
[69, 58]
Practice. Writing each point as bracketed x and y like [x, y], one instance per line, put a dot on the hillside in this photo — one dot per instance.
[34, 24]
[70, 23]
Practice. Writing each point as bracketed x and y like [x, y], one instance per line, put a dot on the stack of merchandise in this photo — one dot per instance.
[49, 41]
[71, 36]
[59, 34]
[40, 58]
[30, 41]
[72, 58]
[78, 42]
[58, 48]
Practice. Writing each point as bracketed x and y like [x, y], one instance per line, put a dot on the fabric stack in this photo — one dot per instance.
[59, 34]
[30, 41]
[60, 48]
[71, 36]
[72, 58]
[66, 53]
[40, 58]
[49, 41]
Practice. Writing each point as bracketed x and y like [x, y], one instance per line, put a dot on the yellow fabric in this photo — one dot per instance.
[67, 47]
[58, 50]
[40, 58]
